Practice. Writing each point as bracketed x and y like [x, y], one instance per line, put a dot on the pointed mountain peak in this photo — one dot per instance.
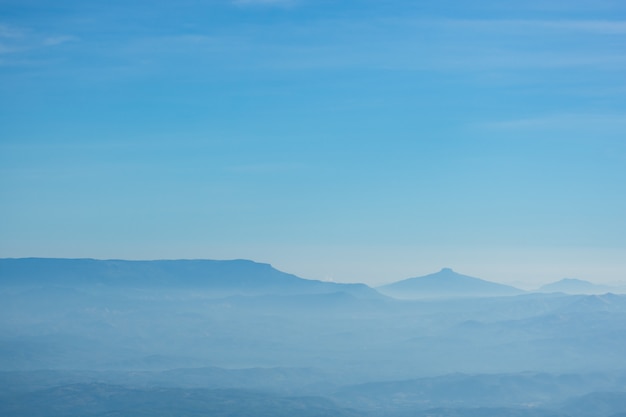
[446, 283]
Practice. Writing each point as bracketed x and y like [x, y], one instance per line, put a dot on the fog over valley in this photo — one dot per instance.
[202, 337]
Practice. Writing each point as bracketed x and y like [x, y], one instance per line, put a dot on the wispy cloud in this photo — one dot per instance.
[448, 44]
[9, 39]
[400, 43]
[9, 32]
[264, 2]
[58, 40]
[567, 121]
[610, 27]
[522, 26]
[18, 39]
[264, 168]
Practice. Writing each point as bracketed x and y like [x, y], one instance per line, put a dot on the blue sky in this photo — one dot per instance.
[355, 141]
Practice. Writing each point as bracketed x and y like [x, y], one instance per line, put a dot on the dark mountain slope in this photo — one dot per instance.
[99, 400]
[597, 404]
[571, 392]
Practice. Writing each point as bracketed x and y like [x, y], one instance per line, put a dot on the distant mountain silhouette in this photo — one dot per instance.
[230, 277]
[446, 283]
[593, 303]
[575, 286]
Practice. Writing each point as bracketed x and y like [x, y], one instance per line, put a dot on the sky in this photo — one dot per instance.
[354, 141]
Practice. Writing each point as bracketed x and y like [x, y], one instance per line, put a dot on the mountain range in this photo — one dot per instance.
[224, 277]
[187, 338]
[245, 277]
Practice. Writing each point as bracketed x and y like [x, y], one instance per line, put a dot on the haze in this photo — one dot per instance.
[312, 208]
[359, 141]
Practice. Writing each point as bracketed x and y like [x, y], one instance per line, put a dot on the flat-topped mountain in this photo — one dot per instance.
[241, 277]
[446, 283]
[575, 286]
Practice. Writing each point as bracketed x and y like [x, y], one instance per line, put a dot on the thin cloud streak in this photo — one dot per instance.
[21, 46]
[383, 44]
[604, 27]
[58, 40]
[561, 121]
[264, 2]
[350, 44]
